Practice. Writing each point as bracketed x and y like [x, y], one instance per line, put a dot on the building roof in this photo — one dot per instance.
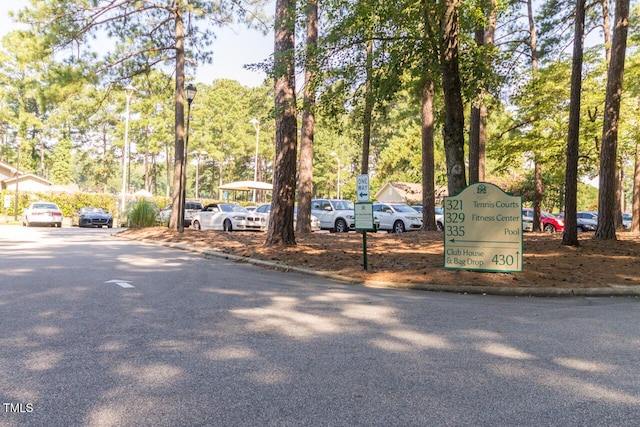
[409, 192]
[8, 177]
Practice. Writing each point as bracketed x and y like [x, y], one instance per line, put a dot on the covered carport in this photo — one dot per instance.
[253, 186]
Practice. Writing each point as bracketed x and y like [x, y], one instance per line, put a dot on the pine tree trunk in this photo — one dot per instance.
[617, 216]
[606, 29]
[280, 230]
[537, 185]
[570, 234]
[489, 39]
[428, 173]
[305, 184]
[168, 165]
[368, 110]
[175, 223]
[453, 106]
[606, 229]
[474, 124]
[474, 144]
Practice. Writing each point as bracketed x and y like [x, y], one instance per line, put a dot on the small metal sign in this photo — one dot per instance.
[7, 201]
[364, 216]
[362, 188]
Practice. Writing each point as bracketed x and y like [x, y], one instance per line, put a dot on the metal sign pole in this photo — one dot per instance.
[364, 248]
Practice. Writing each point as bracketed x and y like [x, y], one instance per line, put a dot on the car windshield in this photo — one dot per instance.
[91, 210]
[404, 209]
[342, 205]
[45, 206]
[229, 207]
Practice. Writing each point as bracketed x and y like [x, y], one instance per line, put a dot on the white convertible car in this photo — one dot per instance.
[227, 217]
[265, 210]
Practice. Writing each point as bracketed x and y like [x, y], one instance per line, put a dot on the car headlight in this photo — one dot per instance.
[350, 216]
[238, 218]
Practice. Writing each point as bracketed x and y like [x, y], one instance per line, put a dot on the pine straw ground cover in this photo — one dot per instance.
[417, 257]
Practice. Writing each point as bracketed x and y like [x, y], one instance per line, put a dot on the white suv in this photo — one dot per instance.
[335, 215]
[397, 218]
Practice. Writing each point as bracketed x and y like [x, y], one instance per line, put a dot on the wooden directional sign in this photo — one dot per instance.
[483, 230]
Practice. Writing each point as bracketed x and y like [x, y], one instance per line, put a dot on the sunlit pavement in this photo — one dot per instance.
[200, 340]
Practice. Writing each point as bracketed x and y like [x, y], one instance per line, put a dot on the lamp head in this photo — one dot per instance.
[129, 90]
[190, 92]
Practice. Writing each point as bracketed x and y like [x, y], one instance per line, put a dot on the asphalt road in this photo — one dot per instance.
[98, 331]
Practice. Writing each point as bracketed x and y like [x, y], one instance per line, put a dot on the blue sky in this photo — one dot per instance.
[232, 49]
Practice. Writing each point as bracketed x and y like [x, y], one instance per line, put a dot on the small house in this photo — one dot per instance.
[25, 181]
[409, 193]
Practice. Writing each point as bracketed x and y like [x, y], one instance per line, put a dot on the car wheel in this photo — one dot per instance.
[59, 225]
[398, 227]
[196, 225]
[341, 226]
[226, 226]
[440, 226]
[549, 228]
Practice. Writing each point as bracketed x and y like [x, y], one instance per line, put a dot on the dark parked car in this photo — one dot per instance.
[92, 217]
[190, 209]
[587, 221]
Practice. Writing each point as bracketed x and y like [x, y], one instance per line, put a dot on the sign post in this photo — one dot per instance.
[483, 230]
[363, 212]
[7, 205]
[364, 222]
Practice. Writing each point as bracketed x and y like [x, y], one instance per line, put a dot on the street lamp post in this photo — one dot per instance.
[199, 155]
[15, 212]
[256, 126]
[128, 92]
[334, 154]
[190, 93]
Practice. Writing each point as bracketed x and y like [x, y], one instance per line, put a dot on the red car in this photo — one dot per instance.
[549, 223]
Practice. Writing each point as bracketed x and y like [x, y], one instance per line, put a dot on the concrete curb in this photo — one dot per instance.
[612, 290]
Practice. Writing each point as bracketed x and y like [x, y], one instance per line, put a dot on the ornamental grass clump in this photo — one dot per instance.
[143, 214]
